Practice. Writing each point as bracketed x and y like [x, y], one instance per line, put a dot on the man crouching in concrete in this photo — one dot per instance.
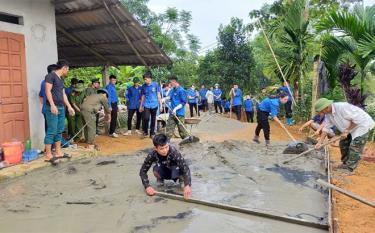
[354, 125]
[169, 165]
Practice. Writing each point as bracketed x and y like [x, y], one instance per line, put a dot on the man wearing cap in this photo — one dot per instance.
[133, 97]
[89, 108]
[112, 101]
[249, 108]
[353, 123]
[150, 101]
[95, 85]
[76, 99]
[217, 98]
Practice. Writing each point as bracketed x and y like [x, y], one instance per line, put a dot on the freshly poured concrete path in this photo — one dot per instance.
[112, 198]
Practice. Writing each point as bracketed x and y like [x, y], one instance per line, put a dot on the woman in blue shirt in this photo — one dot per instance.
[236, 95]
[249, 109]
[192, 100]
[268, 107]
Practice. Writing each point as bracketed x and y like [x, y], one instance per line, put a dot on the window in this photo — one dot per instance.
[4, 17]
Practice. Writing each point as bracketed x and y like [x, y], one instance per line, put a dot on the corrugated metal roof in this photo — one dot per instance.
[97, 32]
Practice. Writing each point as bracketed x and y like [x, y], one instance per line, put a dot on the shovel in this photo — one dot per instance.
[186, 140]
[310, 150]
[295, 147]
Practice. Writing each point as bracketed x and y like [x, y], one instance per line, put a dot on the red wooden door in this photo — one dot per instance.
[14, 112]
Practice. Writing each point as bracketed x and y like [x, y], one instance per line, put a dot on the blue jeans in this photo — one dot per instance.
[55, 125]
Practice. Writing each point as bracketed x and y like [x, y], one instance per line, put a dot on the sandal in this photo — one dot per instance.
[54, 161]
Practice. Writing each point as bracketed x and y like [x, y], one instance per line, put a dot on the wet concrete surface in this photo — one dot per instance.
[106, 195]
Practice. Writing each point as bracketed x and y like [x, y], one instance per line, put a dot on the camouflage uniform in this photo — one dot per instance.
[77, 122]
[351, 150]
[171, 125]
[90, 106]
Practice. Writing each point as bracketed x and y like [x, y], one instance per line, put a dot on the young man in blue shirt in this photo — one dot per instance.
[193, 100]
[203, 99]
[133, 98]
[217, 98]
[268, 107]
[150, 101]
[288, 106]
[249, 108]
[112, 102]
[236, 95]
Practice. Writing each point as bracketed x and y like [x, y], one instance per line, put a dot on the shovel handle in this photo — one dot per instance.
[287, 131]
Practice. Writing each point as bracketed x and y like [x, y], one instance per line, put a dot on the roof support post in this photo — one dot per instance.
[124, 35]
[105, 75]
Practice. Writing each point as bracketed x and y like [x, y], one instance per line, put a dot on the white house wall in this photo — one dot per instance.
[41, 50]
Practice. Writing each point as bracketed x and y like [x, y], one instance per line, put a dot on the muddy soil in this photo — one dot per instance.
[105, 194]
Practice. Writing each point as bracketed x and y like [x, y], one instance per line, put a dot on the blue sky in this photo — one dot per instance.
[209, 14]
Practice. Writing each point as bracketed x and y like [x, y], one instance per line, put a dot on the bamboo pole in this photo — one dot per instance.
[347, 193]
[277, 63]
[258, 213]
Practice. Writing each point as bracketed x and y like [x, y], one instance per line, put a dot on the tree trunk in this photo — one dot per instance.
[315, 84]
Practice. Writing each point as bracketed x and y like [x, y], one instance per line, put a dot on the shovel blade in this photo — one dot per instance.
[190, 139]
[295, 148]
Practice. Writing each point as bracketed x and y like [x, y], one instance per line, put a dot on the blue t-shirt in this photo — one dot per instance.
[318, 119]
[237, 97]
[226, 104]
[286, 91]
[68, 91]
[178, 96]
[193, 94]
[42, 93]
[248, 104]
[150, 93]
[112, 94]
[271, 106]
[133, 96]
[217, 94]
[202, 93]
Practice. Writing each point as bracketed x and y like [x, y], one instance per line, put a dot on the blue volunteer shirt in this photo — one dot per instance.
[248, 104]
[271, 106]
[112, 94]
[202, 93]
[178, 96]
[133, 96]
[226, 104]
[42, 94]
[217, 94]
[237, 97]
[68, 91]
[193, 94]
[318, 119]
[150, 93]
[285, 90]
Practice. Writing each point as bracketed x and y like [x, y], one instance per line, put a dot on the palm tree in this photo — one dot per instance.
[292, 35]
[352, 37]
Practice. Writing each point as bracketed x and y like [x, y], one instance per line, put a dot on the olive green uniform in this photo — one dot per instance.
[90, 106]
[77, 122]
[91, 91]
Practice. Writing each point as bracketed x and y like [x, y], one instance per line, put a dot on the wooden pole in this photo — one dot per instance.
[258, 213]
[347, 193]
[277, 63]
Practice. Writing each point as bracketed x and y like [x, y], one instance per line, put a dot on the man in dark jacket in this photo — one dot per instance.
[169, 165]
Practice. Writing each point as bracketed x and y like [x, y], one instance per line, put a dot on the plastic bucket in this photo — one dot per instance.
[12, 152]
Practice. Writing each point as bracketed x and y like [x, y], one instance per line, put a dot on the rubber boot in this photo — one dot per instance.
[256, 139]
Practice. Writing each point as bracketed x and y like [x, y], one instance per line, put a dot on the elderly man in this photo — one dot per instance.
[354, 125]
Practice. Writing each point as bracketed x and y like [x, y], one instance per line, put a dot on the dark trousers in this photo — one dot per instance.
[195, 106]
[262, 118]
[113, 124]
[217, 104]
[250, 116]
[130, 118]
[147, 114]
[204, 105]
[237, 110]
[288, 109]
